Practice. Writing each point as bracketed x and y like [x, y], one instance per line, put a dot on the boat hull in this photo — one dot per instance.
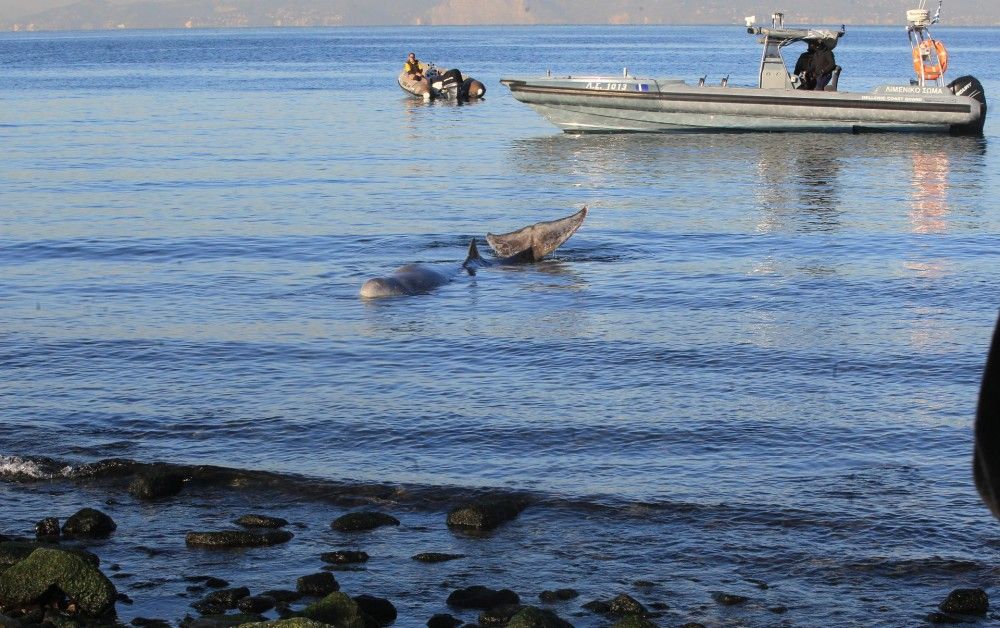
[603, 104]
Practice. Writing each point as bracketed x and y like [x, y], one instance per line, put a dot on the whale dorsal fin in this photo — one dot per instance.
[986, 455]
[540, 238]
[472, 259]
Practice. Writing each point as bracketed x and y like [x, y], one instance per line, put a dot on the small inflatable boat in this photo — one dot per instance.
[447, 85]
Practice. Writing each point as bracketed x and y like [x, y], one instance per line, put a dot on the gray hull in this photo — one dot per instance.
[606, 104]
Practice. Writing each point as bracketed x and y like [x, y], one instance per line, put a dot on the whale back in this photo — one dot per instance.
[986, 455]
[534, 242]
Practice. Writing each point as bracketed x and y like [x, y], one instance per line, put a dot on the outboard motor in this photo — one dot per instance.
[451, 78]
[471, 89]
[969, 86]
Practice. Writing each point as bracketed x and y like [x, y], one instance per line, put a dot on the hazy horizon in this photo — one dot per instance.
[104, 14]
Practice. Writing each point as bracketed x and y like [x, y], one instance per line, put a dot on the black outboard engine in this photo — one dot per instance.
[969, 86]
[451, 78]
[471, 89]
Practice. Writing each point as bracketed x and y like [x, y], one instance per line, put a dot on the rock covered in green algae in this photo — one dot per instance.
[336, 609]
[363, 521]
[27, 581]
[534, 617]
[89, 522]
[12, 552]
[499, 615]
[295, 622]
[238, 538]
[624, 604]
[485, 514]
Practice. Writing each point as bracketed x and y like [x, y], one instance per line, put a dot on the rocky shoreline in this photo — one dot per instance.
[57, 578]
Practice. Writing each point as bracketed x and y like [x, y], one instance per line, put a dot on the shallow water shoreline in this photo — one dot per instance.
[601, 552]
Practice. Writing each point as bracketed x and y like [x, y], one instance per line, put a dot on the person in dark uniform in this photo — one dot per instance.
[803, 67]
[823, 64]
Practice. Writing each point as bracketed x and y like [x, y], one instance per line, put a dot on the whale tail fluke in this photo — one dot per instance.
[986, 455]
[533, 243]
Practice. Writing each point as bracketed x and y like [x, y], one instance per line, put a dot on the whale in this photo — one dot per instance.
[524, 246]
[986, 452]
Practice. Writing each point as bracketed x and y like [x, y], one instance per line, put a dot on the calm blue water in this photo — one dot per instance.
[757, 360]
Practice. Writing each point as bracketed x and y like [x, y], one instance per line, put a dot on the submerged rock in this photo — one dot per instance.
[625, 604]
[283, 596]
[261, 521]
[150, 623]
[47, 528]
[238, 538]
[294, 622]
[559, 595]
[532, 617]
[966, 602]
[155, 482]
[633, 621]
[343, 557]
[379, 609]
[485, 514]
[317, 584]
[598, 606]
[498, 615]
[436, 557]
[363, 521]
[227, 598]
[89, 522]
[255, 604]
[482, 598]
[728, 599]
[443, 620]
[48, 571]
[337, 609]
[943, 618]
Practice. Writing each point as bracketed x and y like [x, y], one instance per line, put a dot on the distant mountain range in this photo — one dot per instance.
[109, 14]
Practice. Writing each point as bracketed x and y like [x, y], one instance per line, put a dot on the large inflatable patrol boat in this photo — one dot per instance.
[778, 102]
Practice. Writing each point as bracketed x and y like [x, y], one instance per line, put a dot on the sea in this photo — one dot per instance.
[753, 371]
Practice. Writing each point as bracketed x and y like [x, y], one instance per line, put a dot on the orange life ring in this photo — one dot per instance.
[923, 51]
